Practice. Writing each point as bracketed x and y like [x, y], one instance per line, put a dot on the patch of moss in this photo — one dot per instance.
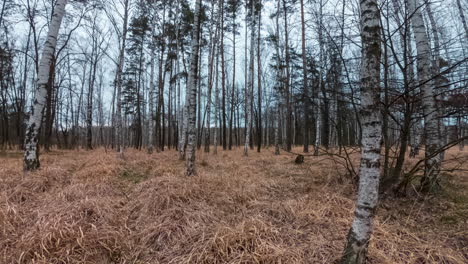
[455, 192]
[133, 176]
[449, 219]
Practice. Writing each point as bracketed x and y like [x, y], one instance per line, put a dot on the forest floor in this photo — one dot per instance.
[94, 207]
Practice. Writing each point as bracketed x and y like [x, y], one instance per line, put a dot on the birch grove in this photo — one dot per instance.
[291, 78]
[245, 127]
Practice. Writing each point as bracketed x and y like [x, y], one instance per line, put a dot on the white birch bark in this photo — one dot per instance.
[250, 83]
[192, 93]
[212, 53]
[318, 98]
[432, 162]
[183, 132]
[119, 137]
[33, 125]
[361, 229]
[439, 82]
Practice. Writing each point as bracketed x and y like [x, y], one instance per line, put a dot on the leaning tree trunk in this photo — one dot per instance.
[361, 230]
[31, 154]
[192, 87]
[432, 161]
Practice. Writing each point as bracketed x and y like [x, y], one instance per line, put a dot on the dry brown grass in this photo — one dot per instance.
[93, 207]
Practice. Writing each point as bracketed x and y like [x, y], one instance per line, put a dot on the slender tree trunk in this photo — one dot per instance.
[212, 53]
[432, 162]
[152, 91]
[259, 78]
[89, 106]
[250, 84]
[118, 80]
[277, 143]
[439, 82]
[223, 80]
[192, 87]
[361, 230]
[305, 86]
[319, 90]
[31, 154]
[280, 83]
[287, 79]
[216, 131]
[233, 79]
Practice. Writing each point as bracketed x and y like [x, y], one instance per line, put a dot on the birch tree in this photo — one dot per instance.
[33, 125]
[118, 75]
[423, 59]
[361, 229]
[192, 92]
[304, 72]
[250, 82]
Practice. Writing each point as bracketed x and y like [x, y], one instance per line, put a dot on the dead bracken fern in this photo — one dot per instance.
[93, 207]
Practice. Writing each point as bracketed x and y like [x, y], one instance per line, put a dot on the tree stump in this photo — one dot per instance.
[299, 159]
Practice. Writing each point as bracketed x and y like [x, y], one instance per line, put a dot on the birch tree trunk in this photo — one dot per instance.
[432, 162]
[439, 82]
[361, 229]
[223, 80]
[211, 53]
[33, 125]
[250, 83]
[259, 77]
[318, 93]
[304, 76]
[192, 88]
[119, 136]
[287, 78]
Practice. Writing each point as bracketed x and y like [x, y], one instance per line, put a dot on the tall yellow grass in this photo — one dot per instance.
[93, 207]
